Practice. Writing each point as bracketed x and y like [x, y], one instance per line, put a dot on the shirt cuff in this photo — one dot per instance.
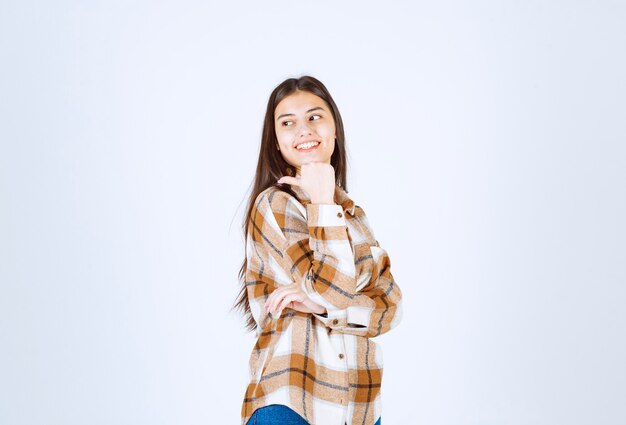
[358, 317]
[333, 318]
[321, 215]
[353, 317]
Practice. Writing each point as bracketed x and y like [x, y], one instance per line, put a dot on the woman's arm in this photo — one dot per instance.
[316, 251]
[382, 288]
[284, 247]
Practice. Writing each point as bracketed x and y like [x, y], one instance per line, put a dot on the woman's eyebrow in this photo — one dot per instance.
[310, 110]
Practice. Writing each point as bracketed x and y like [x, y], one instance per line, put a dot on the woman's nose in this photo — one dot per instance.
[304, 128]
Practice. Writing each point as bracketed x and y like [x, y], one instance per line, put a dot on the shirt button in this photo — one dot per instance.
[339, 214]
[335, 321]
[341, 355]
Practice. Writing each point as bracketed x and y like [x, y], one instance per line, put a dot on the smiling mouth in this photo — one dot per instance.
[308, 147]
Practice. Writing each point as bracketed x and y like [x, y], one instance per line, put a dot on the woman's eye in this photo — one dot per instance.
[284, 123]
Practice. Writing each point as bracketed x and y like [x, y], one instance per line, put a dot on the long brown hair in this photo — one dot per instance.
[271, 165]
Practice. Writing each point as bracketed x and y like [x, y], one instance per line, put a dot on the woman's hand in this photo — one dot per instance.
[291, 296]
[317, 179]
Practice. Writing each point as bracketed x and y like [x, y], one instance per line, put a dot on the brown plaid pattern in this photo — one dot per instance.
[325, 367]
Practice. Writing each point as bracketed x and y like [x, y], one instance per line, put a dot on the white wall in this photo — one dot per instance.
[128, 138]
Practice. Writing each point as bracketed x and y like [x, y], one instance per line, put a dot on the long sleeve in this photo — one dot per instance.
[381, 313]
[377, 306]
[285, 246]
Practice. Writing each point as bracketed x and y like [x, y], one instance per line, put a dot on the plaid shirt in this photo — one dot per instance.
[324, 367]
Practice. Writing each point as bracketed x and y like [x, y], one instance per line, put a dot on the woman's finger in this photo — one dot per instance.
[272, 297]
[276, 297]
[276, 292]
[284, 298]
[273, 306]
[286, 301]
[289, 180]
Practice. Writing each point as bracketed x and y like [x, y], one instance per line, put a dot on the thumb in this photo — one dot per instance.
[289, 180]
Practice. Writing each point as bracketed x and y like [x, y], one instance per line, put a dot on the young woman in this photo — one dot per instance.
[316, 285]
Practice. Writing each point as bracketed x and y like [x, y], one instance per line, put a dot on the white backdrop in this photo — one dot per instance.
[486, 143]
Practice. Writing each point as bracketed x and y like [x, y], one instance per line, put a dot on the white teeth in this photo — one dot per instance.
[307, 145]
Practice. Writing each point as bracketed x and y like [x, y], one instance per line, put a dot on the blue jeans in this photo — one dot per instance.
[277, 414]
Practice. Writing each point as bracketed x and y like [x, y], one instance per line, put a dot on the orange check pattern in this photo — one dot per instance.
[325, 367]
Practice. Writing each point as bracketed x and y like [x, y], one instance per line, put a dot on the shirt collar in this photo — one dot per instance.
[341, 198]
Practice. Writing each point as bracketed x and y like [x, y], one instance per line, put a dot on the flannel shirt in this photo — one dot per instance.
[323, 366]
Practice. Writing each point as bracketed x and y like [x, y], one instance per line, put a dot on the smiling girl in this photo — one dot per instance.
[316, 285]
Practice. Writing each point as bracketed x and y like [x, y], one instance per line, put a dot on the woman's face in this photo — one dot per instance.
[303, 117]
